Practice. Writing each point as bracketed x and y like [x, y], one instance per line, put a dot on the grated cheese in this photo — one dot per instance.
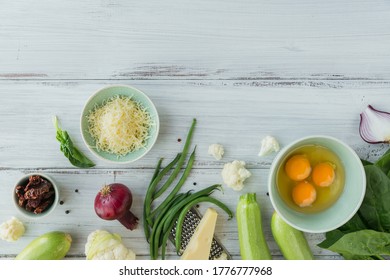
[119, 126]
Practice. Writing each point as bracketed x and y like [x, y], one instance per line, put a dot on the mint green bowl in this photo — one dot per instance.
[23, 182]
[106, 93]
[347, 204]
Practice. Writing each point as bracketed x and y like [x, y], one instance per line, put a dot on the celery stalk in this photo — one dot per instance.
[253, 245]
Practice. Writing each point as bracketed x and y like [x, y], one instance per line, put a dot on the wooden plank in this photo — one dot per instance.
[82, 220]
[236, 114]
[281, 39]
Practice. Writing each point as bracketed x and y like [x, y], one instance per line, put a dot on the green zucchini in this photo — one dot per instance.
[49, 246]
[291, 242]
[253, 245]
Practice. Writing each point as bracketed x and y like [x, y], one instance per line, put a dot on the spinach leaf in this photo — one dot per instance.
[362, 244]
[67, 147]
[384, 162]
[367, 235]
[365, 162]
[354, 224]
[331, 238]
[375, 209]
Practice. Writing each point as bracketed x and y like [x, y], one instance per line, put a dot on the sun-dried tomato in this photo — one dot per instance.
[37, 195]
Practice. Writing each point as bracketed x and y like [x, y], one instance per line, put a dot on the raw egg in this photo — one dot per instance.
[298, 168]
[304, 194]
[323, 174]
[310, 179]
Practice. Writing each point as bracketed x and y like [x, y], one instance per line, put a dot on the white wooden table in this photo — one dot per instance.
[244, 69]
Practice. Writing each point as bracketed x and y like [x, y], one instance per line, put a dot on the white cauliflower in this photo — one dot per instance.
[102, 245]
[11, 230]
[234, 174]
[216, 150]
[268, 145]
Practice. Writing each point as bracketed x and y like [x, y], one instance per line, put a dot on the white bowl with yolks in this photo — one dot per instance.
[347, 203]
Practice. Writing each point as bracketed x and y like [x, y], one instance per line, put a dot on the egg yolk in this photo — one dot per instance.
[304, 194]
[298, 168]
[323, 174]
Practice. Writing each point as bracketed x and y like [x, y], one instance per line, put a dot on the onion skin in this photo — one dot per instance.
[113, 202]
[374, 126]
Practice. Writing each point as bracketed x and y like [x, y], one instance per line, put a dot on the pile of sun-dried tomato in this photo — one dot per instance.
[37, 195]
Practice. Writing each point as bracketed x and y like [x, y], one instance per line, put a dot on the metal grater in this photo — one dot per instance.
[191, 221]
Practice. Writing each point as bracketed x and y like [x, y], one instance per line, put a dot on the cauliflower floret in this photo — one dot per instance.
[116, 252]
[11, 230]
[216, 150]
[268, 145]
[102, 245]
[234, 174]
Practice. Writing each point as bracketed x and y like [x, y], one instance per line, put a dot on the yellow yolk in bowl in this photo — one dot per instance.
[310, 179]
[304, 194]
[298, 168]
[323, 174]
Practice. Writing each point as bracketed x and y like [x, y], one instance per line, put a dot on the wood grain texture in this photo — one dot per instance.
[235, 114]
[244, 69]
[82, 219]
[114, 39]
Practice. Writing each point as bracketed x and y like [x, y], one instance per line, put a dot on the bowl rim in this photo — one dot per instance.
[45, 213]
[279, 157]
[157, 120]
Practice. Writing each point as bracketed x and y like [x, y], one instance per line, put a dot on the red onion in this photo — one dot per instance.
[374, 126]
[113, 202]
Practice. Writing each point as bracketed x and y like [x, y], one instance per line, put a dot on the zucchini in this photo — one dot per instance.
[253, 245]
[49, 246]
[291, 242]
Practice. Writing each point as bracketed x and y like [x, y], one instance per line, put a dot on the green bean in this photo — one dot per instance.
[183, 213]
[159, 218]
[168, 214]
[152, 187]
[156, 170]
[156, 236]
[165, 239]
[178, 185]
[175, 209]
[145, 224]
[180, 163]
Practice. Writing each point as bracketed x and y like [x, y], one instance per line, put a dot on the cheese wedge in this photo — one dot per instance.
[200, 243]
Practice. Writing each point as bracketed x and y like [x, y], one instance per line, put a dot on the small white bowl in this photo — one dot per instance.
[347, 204]
[31, 215]
[102, 95]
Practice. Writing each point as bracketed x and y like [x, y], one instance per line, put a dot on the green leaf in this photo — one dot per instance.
[363, 243]
[384, 162]
[358, 257]
[354, 224]
[331, 238]
[366, 235]
[365, 162]
[76, 158]
[375, 209]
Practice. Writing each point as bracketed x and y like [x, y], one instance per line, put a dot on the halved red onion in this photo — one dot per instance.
[374, 126]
